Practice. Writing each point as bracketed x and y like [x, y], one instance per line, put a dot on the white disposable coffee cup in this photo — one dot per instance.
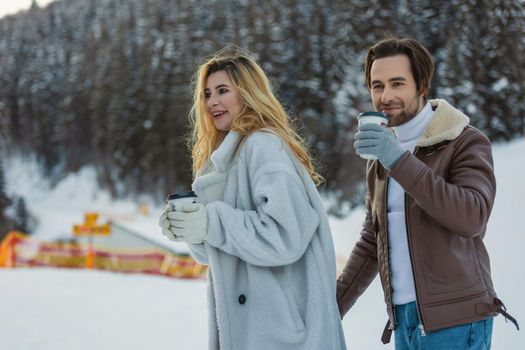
[177, 200]
[373, 117]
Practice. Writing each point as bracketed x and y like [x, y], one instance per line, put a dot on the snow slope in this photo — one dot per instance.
[52, 309]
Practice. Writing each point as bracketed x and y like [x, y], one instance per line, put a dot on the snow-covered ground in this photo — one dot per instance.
[65, 309]
[58, 309]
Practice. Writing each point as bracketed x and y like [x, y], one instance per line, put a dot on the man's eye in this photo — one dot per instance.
[376, 87]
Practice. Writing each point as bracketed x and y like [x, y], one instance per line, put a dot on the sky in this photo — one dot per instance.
[8, 7]
[62, 309]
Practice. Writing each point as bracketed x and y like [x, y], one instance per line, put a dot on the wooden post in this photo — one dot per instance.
[90, 256]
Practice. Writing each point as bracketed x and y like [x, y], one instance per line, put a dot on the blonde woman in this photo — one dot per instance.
[260, 224]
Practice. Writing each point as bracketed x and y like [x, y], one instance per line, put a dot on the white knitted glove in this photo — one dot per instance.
[190, 224]
[165, 224]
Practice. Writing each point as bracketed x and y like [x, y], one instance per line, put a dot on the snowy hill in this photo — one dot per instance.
[46, 309]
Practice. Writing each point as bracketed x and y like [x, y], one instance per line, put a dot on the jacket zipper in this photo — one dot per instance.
[392, 309]
[421, 326]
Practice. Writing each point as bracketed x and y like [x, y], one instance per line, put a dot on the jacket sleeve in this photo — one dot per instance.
[280, 227]
[361, 267]
[463, 201]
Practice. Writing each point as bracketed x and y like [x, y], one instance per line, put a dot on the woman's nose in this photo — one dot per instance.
[212, 101]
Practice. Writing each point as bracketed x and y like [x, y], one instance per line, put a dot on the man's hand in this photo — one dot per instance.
[378, 141]
[190, 224]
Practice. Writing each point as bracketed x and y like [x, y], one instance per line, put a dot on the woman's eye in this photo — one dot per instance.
[207, 95]
[223, 91]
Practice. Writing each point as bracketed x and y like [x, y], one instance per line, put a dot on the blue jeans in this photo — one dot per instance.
[471, 336]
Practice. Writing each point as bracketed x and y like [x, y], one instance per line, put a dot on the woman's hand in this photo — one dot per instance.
[190, 224]
[165, 224]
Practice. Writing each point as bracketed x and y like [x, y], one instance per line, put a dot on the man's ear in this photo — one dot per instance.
[423, 91]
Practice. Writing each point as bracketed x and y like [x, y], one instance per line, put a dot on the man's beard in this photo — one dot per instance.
[406, 113]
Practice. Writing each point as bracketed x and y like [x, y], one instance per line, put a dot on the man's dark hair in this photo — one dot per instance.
[420, 59]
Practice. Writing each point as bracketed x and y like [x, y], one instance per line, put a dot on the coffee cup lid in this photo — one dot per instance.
[372, 114]
[181, 195]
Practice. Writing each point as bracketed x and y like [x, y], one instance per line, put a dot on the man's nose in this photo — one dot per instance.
[387, 95]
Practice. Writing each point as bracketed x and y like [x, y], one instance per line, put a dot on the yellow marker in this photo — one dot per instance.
[90, 218]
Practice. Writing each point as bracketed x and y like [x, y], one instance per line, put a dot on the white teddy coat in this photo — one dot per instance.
[272, 275]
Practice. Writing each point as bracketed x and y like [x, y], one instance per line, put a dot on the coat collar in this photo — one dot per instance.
[223, 156]
[446, 125]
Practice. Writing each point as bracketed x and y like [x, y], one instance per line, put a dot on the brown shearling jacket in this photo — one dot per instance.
[449, 188]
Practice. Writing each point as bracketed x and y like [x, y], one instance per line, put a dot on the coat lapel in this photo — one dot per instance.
[223, 156]
[210, 185]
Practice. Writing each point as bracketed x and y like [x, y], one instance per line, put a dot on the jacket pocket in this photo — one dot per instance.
[293, 308]
[450, 262]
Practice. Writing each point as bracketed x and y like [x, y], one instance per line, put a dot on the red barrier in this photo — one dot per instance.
[18, 250]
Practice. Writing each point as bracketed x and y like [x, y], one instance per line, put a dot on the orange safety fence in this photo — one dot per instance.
[18, 250]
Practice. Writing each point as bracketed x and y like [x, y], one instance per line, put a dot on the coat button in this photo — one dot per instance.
[242, 299]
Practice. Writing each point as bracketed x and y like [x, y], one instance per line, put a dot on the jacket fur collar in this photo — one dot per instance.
[446, 125]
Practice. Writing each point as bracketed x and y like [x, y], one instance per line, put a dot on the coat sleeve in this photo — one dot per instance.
[462, 202]
[198, 252]
[361, 267]
[282, 223]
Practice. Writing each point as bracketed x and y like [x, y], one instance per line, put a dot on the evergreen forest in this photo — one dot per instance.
[107, 83]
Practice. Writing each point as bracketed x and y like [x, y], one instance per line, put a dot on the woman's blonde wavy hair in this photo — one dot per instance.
[261, 109]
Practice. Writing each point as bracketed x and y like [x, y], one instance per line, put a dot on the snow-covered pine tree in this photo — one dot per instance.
[5, 221]
[22, 218]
